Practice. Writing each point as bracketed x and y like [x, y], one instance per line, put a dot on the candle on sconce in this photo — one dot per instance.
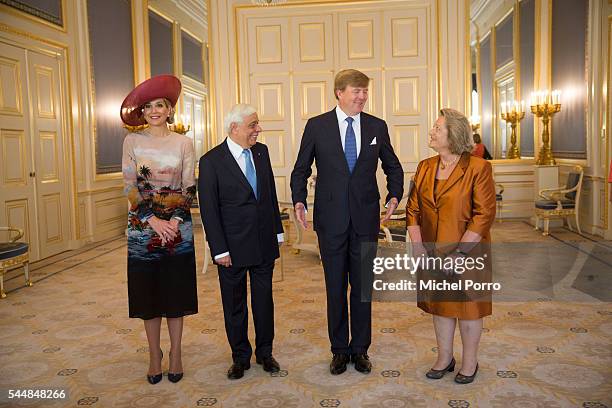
[474, 101]
[544, 104]
[179, 125]
[475, 122]
[512, 112]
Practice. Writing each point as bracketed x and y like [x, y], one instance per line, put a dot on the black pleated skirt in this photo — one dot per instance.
[164, 287]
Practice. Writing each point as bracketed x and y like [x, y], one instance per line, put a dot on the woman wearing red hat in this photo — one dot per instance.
[158, 171]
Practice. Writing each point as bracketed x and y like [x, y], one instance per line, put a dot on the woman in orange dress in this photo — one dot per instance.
[452, 205]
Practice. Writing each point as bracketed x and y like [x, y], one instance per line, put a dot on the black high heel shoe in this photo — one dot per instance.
[437, 374]
[174, 377]
[465, 379]
[154, 379]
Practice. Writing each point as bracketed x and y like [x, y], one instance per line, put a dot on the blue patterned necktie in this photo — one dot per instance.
[250, 170]
[350, 145]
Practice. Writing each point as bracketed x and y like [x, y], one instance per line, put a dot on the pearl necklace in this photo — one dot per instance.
[444, 164]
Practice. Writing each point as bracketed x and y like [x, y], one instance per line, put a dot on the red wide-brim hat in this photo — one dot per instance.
[161, 86]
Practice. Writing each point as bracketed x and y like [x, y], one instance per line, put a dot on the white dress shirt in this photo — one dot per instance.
[236, 151]
[343, 124]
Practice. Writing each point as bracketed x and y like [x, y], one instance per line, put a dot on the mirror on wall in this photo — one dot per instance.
[506, 95]
[502, 72]
[474, 114]
[491, 89]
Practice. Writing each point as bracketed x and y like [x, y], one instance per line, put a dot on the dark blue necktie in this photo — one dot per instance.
[350, 145]
[250, 170]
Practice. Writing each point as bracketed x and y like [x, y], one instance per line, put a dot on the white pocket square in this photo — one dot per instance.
[373, 142]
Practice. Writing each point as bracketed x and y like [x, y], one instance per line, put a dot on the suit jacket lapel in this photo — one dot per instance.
[232, 165]
[259, 169]
[457, 173]
[334, 138]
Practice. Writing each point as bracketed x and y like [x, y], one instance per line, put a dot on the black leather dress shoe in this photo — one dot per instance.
[236, 371]
[362, 363]
[437, 374]
[269, 364]
[338, 363]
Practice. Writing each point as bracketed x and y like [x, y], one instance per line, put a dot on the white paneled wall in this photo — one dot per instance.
[288, 57]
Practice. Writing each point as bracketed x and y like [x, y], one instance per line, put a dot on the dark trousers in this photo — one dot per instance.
[342, 258]
[236, 312]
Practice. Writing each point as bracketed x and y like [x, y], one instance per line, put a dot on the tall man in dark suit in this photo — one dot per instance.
[346, 144]
[242, 221]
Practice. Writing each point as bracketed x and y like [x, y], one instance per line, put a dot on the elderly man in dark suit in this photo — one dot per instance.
[242, 221]
[346, 145]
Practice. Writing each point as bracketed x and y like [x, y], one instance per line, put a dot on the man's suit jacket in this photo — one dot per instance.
[234, 220]
[340, 196]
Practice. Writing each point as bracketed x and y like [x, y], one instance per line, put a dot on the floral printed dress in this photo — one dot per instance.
[158, 173]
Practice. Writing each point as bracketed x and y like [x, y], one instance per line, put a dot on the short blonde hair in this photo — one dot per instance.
[350, 77]
[459, 131]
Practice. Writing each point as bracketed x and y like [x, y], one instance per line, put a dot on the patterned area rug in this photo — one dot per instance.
[70, 331]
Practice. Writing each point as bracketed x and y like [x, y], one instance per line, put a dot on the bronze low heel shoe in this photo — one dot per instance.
[465, 379]
[437, 374]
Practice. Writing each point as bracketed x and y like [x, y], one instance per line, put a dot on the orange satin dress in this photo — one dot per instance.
[465, 201]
